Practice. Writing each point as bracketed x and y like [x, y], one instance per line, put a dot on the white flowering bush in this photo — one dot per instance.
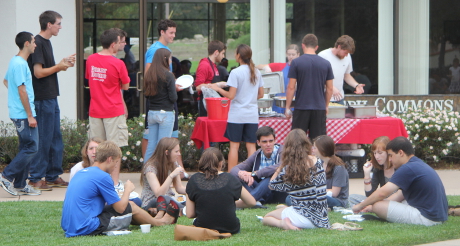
[433, 133]
[132, 154]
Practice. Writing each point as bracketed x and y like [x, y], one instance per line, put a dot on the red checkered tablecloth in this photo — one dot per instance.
[346, 131]
[336, 128]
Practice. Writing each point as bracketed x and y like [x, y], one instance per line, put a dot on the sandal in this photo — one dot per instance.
[162, 203]
[348, 226]
[173, 209]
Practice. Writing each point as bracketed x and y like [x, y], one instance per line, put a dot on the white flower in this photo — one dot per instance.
[141, 160]
[143, 115]
[124, 158]
[190, 143]
[129, 134]
[425, 138]
[141, 124]
[138, 143]
[132, 147]
[128, 153]
[431, 147]
[134, 158]
[435, 158]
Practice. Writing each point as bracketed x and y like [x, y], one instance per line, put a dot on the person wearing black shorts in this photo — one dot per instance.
[312, 76]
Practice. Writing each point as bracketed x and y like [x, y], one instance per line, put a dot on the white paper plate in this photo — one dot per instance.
[184, 81]
[355, 217]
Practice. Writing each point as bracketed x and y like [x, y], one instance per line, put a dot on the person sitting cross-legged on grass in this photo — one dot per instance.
[302, 176]
[420, 198]
[92, 206]
[212, 196]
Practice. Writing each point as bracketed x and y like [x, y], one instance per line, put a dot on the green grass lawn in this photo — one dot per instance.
[38, 223]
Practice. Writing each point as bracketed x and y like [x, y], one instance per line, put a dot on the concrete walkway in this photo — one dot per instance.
[448, 177]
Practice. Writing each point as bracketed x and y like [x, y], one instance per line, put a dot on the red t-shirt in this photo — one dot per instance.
[204, 73]
[276, 67]
[105, 75]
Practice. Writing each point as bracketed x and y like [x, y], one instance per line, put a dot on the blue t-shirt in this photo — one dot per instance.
[422, 188]
[86, 196]
[311, 73]
[19, 74]
[151, 52]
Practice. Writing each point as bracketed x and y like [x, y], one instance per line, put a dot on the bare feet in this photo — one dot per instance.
[168, 219]
[160, 214]
[287, 225]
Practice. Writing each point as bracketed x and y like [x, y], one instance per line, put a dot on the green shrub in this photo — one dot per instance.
[74, 136]
[132, 154]
[8, 142]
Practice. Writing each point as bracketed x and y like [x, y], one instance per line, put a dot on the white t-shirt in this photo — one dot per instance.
[243, 108]
[340, 67]
[75, 169]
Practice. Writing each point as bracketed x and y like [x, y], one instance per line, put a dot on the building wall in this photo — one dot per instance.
[22, 15]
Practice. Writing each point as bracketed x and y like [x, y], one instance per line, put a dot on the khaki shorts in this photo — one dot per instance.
[113, 129]
[401, 212]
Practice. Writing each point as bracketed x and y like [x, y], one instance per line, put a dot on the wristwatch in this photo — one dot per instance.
[254, 173]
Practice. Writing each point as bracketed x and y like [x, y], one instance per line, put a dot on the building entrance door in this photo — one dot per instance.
[96, 16]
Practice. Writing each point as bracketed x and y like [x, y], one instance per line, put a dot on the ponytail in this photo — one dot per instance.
[245, 53]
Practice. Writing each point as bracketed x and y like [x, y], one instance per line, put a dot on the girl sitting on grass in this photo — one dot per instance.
[158, 174]
[211, 195]
[301, 175]
[336, 173]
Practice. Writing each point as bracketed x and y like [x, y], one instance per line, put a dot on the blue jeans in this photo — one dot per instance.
[160, 125]
[261, 192]
[333, 202]
[48, 162]
[18, 169]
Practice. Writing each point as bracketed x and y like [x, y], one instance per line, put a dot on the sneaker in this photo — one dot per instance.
[40, 185]
[59, 182]
[8, 185]
[29, 190]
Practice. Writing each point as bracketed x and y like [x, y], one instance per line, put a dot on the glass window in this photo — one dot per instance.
[444, 47]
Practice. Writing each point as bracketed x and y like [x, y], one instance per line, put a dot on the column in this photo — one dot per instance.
[413, 41]
[260, 31]
[386, 55]
[279, 30]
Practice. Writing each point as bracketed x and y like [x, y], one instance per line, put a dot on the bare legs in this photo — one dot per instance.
[274, 219]
[381, 209]
[141, 216]
[233, 153]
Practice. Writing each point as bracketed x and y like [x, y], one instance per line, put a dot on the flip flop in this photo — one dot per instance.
[173, 209]
[162, 203]
[347, 226]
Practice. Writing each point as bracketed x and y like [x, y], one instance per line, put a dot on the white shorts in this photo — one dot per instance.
[401, 212]
[297, 220]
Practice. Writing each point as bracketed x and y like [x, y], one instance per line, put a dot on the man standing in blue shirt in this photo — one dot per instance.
[420, 197]
[21, 108]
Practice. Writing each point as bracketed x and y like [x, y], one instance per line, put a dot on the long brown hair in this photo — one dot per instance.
[160, 160]
[380, 143]
[295, 157]
[84, 151]
[157, 72]
[326, 147]
[245, 53]
[210, 161]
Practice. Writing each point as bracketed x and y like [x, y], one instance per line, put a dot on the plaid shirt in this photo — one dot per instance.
[265, 162]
